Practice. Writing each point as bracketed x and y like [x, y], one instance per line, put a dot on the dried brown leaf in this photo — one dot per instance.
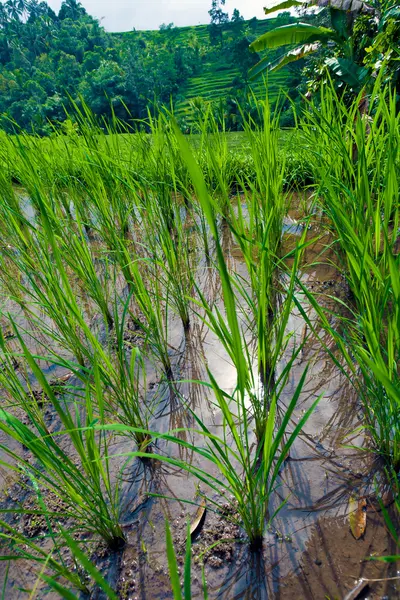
[357, 516]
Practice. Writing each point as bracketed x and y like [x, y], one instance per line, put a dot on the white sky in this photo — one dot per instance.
[124, 15]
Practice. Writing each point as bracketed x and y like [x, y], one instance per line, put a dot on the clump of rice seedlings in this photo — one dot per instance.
[93, 279]
[113, 235]
[361, 203]
[82, 481]
[259, 234]
[47, 290]
[123, 379]
[147, 290]
[52, 307]
[165, 167]
[170, 252]
[241, 474]
[250, 476]
[213, 154]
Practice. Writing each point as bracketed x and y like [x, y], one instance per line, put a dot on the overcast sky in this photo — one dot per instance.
[124, 15]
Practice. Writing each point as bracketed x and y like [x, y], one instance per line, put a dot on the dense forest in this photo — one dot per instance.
[49, 60]
[51, 64]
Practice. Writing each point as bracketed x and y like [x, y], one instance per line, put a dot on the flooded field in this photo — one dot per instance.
[223, 363]
[309, 549]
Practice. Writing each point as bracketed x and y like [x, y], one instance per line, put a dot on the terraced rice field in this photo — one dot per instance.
[216, 79]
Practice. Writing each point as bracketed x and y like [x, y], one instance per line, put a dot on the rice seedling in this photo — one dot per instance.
[78, 256]
[260, 248]
[361, 203]
[213, 153]
[259, 234]
[82, 481]
[173, 567]
[250, 476]
[170, 253]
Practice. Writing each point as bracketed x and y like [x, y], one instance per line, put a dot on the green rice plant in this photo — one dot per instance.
[167, 172]
[361, 203]
[213, 153]
[77, 253]
[50, 290]
[170, 251]
[243, 475]
[24, 548]
[82, 481]
[173, 567]
[147, 289]
[259, 237]
[258, 234]
[123, 379]
[113, 228]
[251, 476]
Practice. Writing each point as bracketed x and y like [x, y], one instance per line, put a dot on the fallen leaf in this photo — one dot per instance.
[199, 518]
[357, 516]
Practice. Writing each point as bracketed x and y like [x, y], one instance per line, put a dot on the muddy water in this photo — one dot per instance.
[309, 551]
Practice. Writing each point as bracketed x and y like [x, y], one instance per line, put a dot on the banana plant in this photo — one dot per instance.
[305, 38]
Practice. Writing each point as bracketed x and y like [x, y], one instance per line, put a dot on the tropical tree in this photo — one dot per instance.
[343, 58]
[15, 8]
[71, 9]
[383, 54]
[218, 18]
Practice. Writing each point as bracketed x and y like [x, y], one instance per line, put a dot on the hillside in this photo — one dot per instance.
[53, 64]
[218, 77]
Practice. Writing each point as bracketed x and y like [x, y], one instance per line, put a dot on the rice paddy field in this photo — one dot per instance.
[200, 345]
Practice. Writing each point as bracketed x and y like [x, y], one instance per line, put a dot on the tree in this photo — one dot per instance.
[383, 54]
[237, 23]
[342, 61]
[15, 8]
[71, 9]
[219, 18]
[242, 58]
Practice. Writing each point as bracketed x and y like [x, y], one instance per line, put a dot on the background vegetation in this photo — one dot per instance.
[48, 59]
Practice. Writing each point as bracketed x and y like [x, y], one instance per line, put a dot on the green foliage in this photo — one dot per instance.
[353, 50]
[117, 226]
[357, 165]
[50, 62]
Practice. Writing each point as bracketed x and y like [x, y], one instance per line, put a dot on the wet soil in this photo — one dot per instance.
[309, 551]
